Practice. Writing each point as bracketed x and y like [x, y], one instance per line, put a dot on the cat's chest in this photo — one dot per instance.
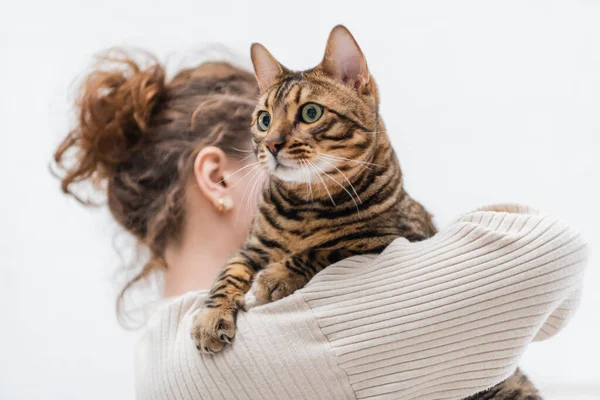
[298, 236]
[300, 233]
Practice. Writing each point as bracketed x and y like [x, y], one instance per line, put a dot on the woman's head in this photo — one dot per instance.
[143, 138]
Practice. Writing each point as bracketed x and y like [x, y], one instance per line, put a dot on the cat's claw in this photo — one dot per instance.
[274, 283]
[212, 329]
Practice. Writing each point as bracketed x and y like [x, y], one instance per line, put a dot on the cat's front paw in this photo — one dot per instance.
[213, 328]
[276, 282]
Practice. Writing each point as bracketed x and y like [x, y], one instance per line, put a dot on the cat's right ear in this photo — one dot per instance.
[344, 60]
[266, 67]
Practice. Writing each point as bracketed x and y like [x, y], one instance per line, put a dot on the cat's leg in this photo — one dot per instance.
[293, 272]
[283, 278]
[214, 325]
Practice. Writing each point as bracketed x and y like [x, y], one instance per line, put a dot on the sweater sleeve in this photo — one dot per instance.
[439, 319]
[452, 315]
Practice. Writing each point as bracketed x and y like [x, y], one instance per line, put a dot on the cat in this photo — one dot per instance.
[335, 187]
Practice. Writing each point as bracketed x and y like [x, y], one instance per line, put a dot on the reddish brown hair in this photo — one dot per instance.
[137, 134]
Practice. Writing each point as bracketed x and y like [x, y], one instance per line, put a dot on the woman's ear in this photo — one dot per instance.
[209, 172]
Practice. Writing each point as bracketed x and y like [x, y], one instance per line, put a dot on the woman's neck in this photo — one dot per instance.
[194, 262]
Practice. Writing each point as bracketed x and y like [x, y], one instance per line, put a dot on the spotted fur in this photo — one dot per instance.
[335, 187]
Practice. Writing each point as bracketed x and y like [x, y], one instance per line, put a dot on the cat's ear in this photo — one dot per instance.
[266, 67]
[343, 58]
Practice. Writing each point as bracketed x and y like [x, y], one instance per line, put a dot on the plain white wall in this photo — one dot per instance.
[485, 101]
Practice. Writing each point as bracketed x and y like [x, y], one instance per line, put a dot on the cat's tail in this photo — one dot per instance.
[516, 387]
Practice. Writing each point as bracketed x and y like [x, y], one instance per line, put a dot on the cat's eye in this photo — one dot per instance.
[264, 120]
[311, 113]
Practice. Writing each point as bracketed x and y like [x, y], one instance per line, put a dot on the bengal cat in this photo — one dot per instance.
[335, 187]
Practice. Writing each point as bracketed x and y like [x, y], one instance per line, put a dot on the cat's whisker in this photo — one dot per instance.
[245, 175]
[349, 159]
[239, 170]
[241, 150]
[253, 174]
[247, 157]
[252, 191]
[239, 209]
[337, 161]
[303, 172]
[322, 181]
[345, 177]
[254, 194]
[307, 173]
[340, 185]
[363, 163]
[309, 183]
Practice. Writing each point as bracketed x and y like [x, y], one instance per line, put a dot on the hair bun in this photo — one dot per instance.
[115, 104]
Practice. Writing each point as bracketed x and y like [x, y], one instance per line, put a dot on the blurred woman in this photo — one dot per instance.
[166, 153]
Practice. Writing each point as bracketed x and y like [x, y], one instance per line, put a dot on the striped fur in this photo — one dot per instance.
[335, 187]
[517, 387]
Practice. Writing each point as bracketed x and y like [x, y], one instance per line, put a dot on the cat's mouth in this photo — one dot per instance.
[283, 166]
[299, 170]
[280, 167]
[277, 162]
[287, 170]
[285, 163]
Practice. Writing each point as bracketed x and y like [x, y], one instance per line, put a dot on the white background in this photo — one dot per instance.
[485, 102]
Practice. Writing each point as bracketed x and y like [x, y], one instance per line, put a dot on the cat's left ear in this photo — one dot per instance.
[343, 58]
[266, 67]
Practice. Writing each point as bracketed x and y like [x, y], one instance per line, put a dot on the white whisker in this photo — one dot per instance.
[247, 157]
[340, 185]
[256, 172]
[322, 181]
[239, 170]
[363, 163]
[309, 181]
[245, 175]
[345, 177]
[241, 150]
[307, 173]
[252, 192]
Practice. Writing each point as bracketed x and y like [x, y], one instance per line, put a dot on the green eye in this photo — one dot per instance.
[311, 112]
[264, 120]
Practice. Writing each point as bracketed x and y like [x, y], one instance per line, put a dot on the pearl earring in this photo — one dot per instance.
[224, 204]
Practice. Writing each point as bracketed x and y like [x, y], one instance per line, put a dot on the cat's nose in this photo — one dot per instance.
[275, 144]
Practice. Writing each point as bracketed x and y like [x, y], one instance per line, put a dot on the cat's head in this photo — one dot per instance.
[318, 122]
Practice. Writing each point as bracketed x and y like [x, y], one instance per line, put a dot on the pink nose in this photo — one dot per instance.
[274, 144]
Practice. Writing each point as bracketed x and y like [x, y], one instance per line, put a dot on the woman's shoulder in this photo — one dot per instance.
[278, 348]
[156, 351]
[179, 304]
[494, 270]
[165, 316]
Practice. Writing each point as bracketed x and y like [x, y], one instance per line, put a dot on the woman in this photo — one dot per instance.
[168, 154]
[445, 318]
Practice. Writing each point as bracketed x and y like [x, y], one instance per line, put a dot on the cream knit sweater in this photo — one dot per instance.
[439, 319]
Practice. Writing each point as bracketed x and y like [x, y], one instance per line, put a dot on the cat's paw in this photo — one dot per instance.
[213, 328]
[276, 282]
[250, 301]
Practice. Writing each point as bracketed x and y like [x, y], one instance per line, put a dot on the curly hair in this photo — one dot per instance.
[137, 134]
